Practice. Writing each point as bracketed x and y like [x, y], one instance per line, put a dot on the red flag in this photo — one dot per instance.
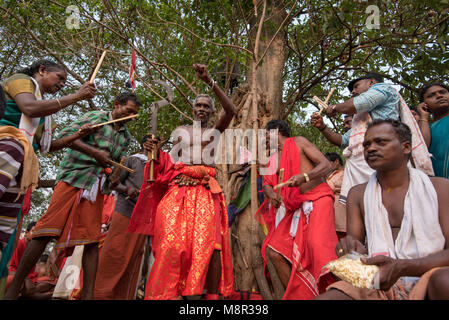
[132, 72]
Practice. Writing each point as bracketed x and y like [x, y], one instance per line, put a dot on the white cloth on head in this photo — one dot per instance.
[420, 233]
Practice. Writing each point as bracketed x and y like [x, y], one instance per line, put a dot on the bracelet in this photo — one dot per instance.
[59, 102]
[324, 128]
[306, 176]
[425, 120]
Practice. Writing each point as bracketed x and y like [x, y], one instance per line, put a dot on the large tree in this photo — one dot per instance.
[271, 56]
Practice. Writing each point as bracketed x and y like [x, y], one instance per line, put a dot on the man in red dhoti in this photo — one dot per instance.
[301, 233]
[190, 227]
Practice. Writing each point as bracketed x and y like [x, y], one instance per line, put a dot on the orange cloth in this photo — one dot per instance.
[119, 262]
[71, 219]
[190, 223]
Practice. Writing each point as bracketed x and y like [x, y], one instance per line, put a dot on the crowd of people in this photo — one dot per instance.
[161, 226]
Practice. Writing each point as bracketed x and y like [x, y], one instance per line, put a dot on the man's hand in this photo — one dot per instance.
[86, 91]
[86, 129]
[201, 72]
[132, 192]
[102, 157]
[276, 200]
[317, 121]
[297, 180]
[150, 144]
[348, 244]
[423, 111]
[330, 111]
[388, 270]
[114, 183]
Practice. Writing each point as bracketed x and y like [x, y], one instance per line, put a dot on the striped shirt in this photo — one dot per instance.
[11, 158]
[80, 170]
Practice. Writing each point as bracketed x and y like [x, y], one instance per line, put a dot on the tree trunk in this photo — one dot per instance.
[247, 233]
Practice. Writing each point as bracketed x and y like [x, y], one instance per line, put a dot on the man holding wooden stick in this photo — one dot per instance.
[373, 99]
[74, 214]
[301, 236]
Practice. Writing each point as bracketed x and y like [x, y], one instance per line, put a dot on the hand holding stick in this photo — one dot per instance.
[115, 120]
[324, 104]
[116, 164]
[283, 184]
[116, 173]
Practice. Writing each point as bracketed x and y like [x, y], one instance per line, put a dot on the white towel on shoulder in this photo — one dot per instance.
[420, 234]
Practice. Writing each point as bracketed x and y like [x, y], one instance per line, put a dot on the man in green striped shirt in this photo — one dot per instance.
[74, 214]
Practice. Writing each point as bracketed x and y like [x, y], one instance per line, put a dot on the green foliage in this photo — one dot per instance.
[327, 44]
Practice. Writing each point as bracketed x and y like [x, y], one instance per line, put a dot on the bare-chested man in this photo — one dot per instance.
[400, 218]
[190, 241]
[302, 235]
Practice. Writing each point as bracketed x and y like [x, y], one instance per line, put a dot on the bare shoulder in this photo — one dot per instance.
[301, 140]
[441, 185]
[356, 192]
[303, 143]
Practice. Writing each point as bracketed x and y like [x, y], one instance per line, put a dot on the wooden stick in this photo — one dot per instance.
[151, 158]
[324, 104]
[94, 75]
[280, 185]
[329, 96]
[115, 120]
[116, 173]
[121, 166]
[281, 176]
[321, 103]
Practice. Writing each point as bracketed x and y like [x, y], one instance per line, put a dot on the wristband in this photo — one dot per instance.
[306, 176]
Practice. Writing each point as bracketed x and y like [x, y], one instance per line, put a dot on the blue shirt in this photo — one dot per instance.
[381, 101]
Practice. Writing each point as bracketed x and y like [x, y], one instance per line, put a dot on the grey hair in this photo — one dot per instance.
[203, 95]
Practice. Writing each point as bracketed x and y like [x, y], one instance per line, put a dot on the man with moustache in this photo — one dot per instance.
[74, 214]
[189, 228]
[373, 99]
[400, 218]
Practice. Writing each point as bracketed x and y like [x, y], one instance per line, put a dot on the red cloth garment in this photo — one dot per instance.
[315, 240]
[142, 219]
[190, 223]
[108, 208]
[17, 256]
